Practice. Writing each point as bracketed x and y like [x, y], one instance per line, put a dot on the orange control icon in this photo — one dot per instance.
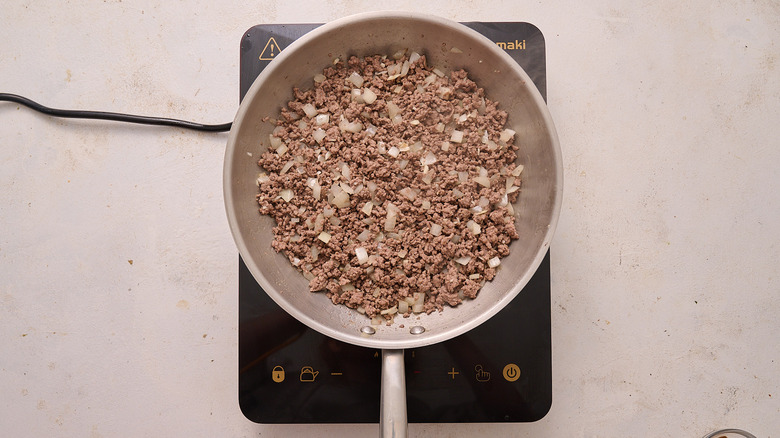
[511, 372]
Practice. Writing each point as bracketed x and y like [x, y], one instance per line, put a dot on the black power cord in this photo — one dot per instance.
[118, 117]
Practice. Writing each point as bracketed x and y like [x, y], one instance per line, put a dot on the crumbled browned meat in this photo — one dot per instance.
[391, 185]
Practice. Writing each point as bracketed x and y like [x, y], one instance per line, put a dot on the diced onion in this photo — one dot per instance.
[408, 193]
[362, 254]
[427, 178]
[315, 253]
[394, 69]
[463, 260]
[517, 170]
[367, 207]
[510, 209]
[456, 50]
[495, 261]
[286, 195]
[393, 151]
[364, 235]
[347, 126]
[512, 189]
[357, 95]
[369, 96]
[389, 311]
[392, 109]
[510, 181]
[426, 204]
[318, 135]
[262, 178]
[309, 110]
[457, 136]
[324, 237]
[356, 79]
[281, 150]
[403, 306]
[405, 68]
[430, 79]
[506, 135]
[286, 167]
[482, 180]
[322, 119]
[438, 72]
[445, 146]
[473, 227]
[402, 164]
[392, 215]
[275, 141]
[436, 230]
[341, 199]
[428, 159]
[319, 77]
[414, 56]
[345, 171]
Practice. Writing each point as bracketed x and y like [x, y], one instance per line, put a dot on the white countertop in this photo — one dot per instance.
[118, 274]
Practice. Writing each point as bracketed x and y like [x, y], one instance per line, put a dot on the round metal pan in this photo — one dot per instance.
[537, 208]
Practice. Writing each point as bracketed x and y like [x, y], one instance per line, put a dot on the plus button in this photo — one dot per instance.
[453, 373]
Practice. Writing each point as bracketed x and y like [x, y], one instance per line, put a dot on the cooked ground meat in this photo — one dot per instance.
[391, 185]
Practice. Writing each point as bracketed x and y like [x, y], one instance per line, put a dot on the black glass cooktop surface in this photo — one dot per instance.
[497, 372]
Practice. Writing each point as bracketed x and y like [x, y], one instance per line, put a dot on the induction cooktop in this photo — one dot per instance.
[500, 371]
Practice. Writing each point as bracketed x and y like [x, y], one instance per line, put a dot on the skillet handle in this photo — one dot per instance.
[392, 415]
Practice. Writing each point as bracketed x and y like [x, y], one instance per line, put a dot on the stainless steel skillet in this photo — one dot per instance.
[537, 208]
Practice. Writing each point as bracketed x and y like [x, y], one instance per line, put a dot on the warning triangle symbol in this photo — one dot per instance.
[270, 51]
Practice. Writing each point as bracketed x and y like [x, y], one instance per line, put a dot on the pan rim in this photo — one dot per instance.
[354, 337]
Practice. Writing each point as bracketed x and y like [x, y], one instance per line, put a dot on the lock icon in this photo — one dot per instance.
[277, 374]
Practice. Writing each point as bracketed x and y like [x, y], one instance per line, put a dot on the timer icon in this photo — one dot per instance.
[511, 372]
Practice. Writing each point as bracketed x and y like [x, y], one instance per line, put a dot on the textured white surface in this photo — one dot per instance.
[665, 266]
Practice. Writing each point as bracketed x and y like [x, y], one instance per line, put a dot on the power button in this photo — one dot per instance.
[511, 372]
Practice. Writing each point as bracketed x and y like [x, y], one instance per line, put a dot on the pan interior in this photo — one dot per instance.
[504, 81]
